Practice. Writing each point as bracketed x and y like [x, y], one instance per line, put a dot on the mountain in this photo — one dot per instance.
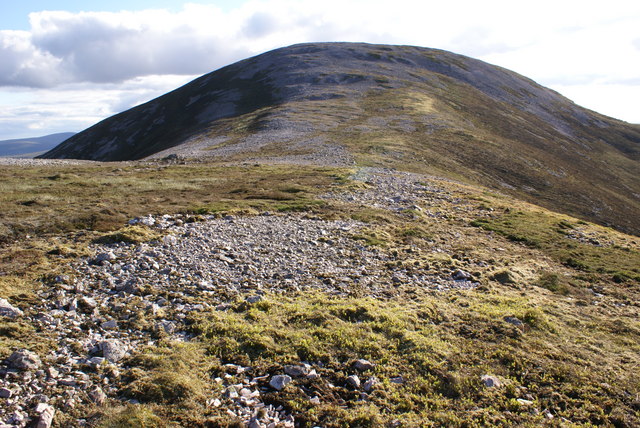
[410, 108]
[32, 146]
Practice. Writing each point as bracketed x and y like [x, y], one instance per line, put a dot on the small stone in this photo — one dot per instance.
[168, 327]
[278, 382]
[205, 285]
[8, 310]
[147, 221]
[491, 381]
[253, 299]
[354, 381]
[397, 379]
[253, 423]
[5, 393]
[504, 277]
[109, 325]
[524, 402]
[315, 400]
[370, 383]
[46, 415]
[61, 279]
[313, 374]
[41, 407]
[67, 381]
[97, 395]
[296, 371]
[18, 417]
[363, 365]
[113, 350]
[87, 302]
[169, 240]
[108, 257]
[547, 414]
[515, 321]
[232, 393]
[23, 359]
[461, 275]
[96, 361]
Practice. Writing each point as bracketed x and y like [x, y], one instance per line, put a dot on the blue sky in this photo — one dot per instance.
[14, 15]
[65, 65]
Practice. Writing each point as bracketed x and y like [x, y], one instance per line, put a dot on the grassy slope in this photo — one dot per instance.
[453, 130]
[575, 286]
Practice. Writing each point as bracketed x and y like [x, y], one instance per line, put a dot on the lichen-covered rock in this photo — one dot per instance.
[113, 350]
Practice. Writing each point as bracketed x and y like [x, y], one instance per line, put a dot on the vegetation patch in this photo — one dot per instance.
[131, 235]
[548, 232]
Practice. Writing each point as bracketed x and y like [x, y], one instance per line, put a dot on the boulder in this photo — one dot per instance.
[23, 359]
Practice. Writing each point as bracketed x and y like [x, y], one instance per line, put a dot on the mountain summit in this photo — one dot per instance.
[411, 108]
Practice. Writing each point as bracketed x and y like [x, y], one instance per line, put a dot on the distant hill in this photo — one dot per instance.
[410, 108]
[24, 147]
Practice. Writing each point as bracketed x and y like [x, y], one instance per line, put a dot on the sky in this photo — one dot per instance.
[67, 64]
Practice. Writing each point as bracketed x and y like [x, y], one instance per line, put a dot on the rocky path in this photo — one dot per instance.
[197, 266]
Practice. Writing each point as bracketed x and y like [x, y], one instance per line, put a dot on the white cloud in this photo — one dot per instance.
[74, 107]
[569, 44]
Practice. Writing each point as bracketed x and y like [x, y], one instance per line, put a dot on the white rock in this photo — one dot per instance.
[279, 381]
[46, 415]
[354, 381]
[8, 310]
[461, 275]
[108, 256]
[363, 365]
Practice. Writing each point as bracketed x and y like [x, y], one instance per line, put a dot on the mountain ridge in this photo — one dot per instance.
[32, 145]
[411, 108]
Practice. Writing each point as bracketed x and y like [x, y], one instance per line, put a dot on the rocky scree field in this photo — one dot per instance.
[162, 294]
